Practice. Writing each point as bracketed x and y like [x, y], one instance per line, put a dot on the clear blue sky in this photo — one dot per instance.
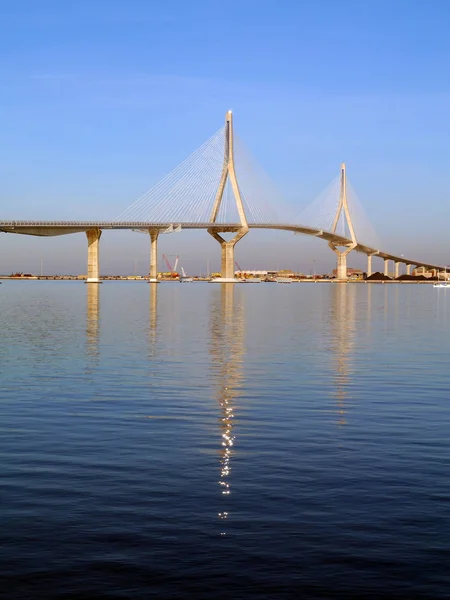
[101, 98]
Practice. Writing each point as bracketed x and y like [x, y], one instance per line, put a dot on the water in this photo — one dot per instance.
[208, 441]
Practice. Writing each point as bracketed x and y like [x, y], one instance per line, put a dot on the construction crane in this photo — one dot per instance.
[171, 269]
[166, 260]
[241, 274]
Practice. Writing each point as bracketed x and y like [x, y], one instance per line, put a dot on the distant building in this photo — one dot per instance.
[285, 273]
[351, 273]
[251, 273]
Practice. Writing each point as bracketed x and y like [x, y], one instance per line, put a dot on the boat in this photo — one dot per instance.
[442, 284]
[184, 278]
[283, 280]
[252, 280]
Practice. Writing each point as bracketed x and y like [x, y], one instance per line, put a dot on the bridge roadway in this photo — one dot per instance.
[55, 228]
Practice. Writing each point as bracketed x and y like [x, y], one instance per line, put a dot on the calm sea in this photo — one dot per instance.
[219, 441]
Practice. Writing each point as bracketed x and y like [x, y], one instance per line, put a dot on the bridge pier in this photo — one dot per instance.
[408, 269]
[153, 272]
[341, 270]
[397, 269]
[386, 267]
[227, 261]
[93, 264]
[369, 265]
[227, 258]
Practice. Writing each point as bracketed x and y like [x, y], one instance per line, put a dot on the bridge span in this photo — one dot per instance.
[93, 231]
[195, 195]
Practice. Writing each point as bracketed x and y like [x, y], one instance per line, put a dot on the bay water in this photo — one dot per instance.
[224, 441]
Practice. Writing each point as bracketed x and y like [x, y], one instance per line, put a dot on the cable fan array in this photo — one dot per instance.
[364, 229]
[188, 193]
[261, 198]
[321, 212]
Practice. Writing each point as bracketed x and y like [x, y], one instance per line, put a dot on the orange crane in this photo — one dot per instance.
[169, 266]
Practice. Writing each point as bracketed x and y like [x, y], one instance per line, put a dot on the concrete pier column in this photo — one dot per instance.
[369, 265]
[386, 266]
[397, 269]
[408, 269]
[227, 258]
[227, 262]
[93, 238]
[153, 273]
[341, 270]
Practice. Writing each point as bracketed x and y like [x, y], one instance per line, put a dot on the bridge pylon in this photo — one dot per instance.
[228, 171]
[344, 212]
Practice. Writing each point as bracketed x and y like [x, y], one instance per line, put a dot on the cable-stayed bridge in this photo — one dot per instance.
[222, 189]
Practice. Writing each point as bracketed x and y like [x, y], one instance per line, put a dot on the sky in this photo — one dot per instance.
[100, 99]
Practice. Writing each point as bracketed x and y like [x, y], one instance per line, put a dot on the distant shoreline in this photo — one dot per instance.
[204, 279]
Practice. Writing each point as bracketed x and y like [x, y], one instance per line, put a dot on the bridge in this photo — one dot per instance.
[212, 190]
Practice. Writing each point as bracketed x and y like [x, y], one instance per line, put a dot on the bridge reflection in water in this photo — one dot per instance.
[92, 322]
[153, 319]
[343, 323]
[227, 350]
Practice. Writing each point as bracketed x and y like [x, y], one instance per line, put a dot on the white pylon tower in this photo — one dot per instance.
[228, 171]
[343, 210]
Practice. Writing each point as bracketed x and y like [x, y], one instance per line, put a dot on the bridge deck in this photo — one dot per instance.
[56, 228]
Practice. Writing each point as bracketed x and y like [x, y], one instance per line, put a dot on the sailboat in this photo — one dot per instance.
[184, 278]
[442, 284]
